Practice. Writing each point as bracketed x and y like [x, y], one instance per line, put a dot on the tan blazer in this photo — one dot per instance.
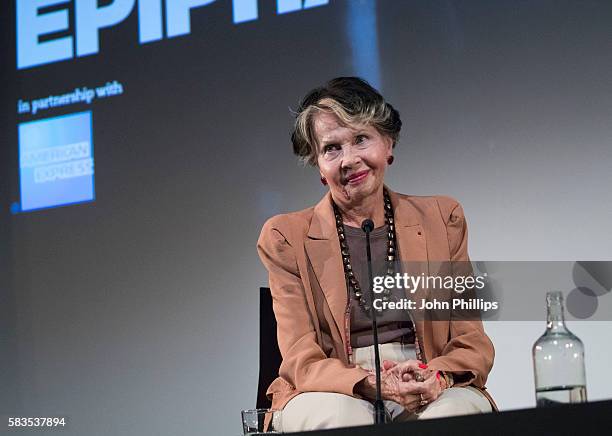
[302, 254]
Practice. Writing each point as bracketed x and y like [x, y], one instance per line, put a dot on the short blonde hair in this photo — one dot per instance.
[353, 101]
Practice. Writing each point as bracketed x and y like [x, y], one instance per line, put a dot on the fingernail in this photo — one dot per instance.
[422, 366]
[438, 375]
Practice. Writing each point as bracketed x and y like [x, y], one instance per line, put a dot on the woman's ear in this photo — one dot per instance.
[389, 144]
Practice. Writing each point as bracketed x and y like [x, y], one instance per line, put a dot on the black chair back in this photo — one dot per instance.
[269, 354]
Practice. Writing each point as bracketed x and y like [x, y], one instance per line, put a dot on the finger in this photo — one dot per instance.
[412, 365]
[428, 373]
[433, 389]
[412, 387]
[388, 364]
[433, 381]
[406, 367]
[411, 403]
[414, 375]
[407, 376]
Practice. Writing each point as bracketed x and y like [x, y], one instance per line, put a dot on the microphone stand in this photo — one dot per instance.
[379, 407]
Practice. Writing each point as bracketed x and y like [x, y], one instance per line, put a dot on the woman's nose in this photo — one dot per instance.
[349, 157]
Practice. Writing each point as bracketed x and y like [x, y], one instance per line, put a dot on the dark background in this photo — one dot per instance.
[137, 313]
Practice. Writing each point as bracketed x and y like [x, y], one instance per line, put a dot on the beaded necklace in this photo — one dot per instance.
[346, 258]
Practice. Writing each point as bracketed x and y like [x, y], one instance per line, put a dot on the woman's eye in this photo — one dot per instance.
[330, 147]
[359, 139]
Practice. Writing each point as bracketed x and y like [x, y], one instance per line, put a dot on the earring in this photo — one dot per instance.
[324, 181]
[390, 160]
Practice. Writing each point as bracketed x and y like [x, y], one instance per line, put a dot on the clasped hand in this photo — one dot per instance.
[409, 383]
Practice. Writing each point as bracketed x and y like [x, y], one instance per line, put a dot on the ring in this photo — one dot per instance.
[423, 400]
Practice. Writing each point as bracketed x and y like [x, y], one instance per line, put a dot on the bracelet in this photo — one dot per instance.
[448, 378]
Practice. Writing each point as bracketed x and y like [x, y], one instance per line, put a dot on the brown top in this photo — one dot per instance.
[301, 251]
[393, 325]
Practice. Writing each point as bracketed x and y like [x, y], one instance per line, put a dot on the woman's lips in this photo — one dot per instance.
[358, 177]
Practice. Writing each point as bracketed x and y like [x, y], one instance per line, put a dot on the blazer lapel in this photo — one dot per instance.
[323, 249]
[412, 248]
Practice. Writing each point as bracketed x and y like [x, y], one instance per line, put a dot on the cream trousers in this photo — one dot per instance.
[323, 410]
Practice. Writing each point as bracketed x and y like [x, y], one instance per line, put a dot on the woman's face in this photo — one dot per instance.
[352, 158]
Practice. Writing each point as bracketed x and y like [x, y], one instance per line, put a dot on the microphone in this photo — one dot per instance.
[379, 407]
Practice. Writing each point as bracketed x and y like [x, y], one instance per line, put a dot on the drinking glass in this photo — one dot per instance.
[254, 420]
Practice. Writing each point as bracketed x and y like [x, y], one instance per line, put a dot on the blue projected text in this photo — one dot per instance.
[33, 22]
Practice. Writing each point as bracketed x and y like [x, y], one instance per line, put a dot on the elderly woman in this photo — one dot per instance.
[319, 281]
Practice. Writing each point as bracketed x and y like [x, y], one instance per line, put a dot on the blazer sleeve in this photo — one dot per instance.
[469, 353]
[305, 366]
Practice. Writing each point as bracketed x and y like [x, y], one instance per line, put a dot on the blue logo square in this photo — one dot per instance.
[56, 165]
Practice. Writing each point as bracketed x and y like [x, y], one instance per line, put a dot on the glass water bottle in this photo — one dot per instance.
[558, 360]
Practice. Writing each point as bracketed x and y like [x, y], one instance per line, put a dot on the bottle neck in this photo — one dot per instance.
[555, 321]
